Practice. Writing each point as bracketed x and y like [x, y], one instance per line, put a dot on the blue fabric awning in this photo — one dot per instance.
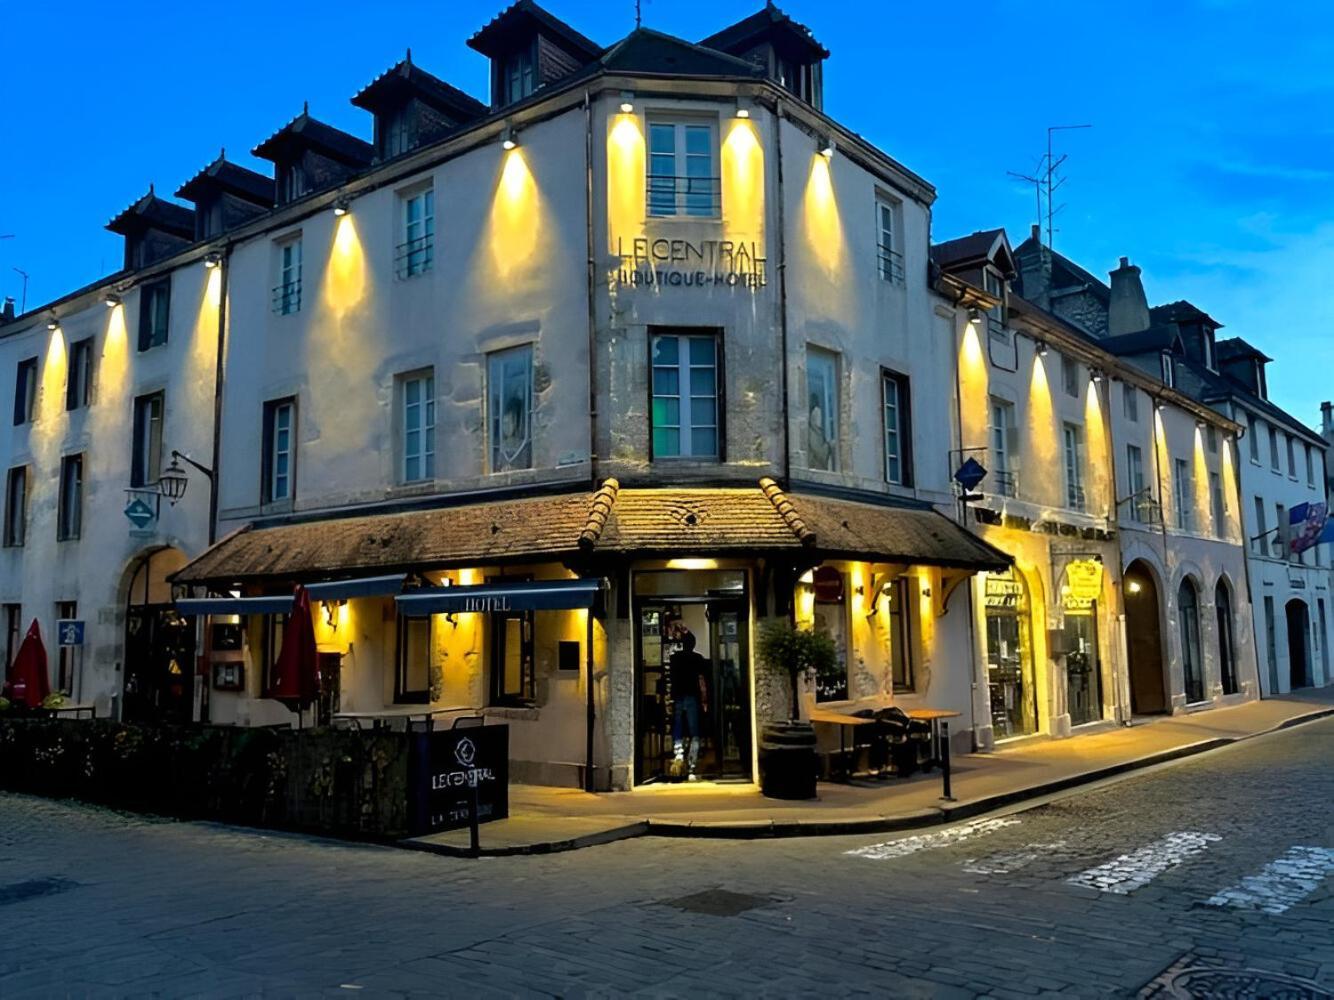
[519, 595]
[234, 605]
[366, 586]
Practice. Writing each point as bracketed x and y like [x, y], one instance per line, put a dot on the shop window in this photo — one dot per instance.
[146, 457]
[513, 680]
[897, 598]
[154, 314]
[25, 391]
[682, 169]
[897, 402]
[830, 617]
[510, 406]
[16, 506]
[1010, 678]
[412, 676]
[686, 382]
[65, 656]
[69, 521]
[279, 478]
[79, 380]
[822, 414]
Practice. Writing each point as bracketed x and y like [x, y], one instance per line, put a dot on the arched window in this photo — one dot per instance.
[1188, 612]
[1227, 658]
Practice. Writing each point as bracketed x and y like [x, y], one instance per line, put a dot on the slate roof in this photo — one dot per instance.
[1162, 337]
[304, 132]
[1235, 347]
[976, 247]
[1065, 273]
[736, 520]
[152, 212]
[223, 175]
[522, 15]
[405, 79]
[764, 21]
[1181, 311]
[652, 52]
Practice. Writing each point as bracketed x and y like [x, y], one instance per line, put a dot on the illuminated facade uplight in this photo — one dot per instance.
[627, 102]
[508, 138]
[827, 148]
[53, 324]
[111, 299]
[341, 207]
[742, 111]
[1041, 348]
[214, 259]
[1097, 375]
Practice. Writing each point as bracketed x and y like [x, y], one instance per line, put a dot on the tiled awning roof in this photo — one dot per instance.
[611, 520]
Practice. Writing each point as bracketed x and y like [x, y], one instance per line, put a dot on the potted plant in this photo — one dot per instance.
[788, 764]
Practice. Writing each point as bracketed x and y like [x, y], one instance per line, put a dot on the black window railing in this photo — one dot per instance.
[1146, 510]
[891, 265]
[688, 196]
[287, 297]
[414, 256]
[1006, 483]
[1074, 496]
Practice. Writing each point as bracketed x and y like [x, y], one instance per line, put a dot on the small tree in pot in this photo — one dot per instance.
[787, 749]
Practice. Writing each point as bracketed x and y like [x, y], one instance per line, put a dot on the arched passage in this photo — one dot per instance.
[1299, 648]
[1148, 687]
[159, 643]
[1227, 648]
[1192, 656]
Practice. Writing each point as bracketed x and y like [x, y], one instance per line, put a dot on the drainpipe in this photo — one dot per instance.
[592, 322]
[219, 375]
[782, 293]
[589, 784]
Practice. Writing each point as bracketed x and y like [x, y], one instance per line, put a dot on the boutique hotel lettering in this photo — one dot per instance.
[553, 399]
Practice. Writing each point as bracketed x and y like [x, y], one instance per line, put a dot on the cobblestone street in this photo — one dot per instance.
[1204, 878]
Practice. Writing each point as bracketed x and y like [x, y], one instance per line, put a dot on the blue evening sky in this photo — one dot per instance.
[1210, 163]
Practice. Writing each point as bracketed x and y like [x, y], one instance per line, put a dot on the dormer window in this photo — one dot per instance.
[398, 133]
[1169, 370]
[294, 182]
[797, 78]
[520, 75]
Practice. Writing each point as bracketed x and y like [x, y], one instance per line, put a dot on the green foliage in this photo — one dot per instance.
[797, 652]
[54, 700]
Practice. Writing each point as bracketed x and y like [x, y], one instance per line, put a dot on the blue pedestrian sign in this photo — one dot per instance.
[140, 514]
[69, 632]
[970, 474]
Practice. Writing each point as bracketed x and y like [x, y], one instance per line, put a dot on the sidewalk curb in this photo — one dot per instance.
[937, 816]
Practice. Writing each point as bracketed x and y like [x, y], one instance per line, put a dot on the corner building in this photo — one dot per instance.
[524, 392]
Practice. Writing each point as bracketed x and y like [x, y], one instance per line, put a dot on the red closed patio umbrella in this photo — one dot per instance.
[26, 680]
[296, 674]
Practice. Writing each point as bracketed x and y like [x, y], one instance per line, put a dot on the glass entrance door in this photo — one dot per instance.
[159, 664]
[1081, 666]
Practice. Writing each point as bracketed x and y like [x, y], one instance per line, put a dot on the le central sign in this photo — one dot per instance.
[456, 770]
[650, 262]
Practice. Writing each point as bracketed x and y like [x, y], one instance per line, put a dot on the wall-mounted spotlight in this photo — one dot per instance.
[111, 299]
[214, 259]
[827, 147]
[508, 137]
[1097, 375]
[1159, 405]
[627, 102]
[1041, 348]
[742, 111]
[1199, 426]
[974, 316]
[53, 323]
[341, 207]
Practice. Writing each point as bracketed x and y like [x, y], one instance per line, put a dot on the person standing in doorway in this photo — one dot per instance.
[690, 699]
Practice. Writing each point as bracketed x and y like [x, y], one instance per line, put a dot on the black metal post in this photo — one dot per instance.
[474, 832]
[943, 736]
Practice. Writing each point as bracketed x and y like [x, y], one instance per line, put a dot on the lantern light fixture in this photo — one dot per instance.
[173, 481]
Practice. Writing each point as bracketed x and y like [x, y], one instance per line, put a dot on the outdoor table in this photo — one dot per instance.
[842, 720]
[933, 716]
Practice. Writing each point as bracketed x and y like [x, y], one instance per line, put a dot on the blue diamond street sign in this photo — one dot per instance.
[140, 514]
[970, 474]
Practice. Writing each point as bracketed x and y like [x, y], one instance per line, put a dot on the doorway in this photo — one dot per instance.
[159, 669]
[1227, 650]
[1192, 659]
[1082, 671]
[675, 611]
[1010, 682]
[1299, 658]
[1144, 641]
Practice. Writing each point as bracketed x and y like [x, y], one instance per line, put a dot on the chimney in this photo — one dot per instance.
[1128, 309]
[7, 310]
[1036, 232]
[1326, 415]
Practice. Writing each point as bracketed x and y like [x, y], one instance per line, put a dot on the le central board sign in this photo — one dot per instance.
[453, 768]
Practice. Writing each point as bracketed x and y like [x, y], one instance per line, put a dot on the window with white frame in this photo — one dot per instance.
[416, 393]
[1251, 429]
[1274, 462]
[154, 313]
[889, 257]
[1169, 371]
[1130, 402]
[416, 252]
[1184, 489]
[287, 293]
[1260, 542]
[821, 409]
[898, 428]
[1002, 447]
[510, 407]
[1140, 501]
[79, 379]
[69, 520]
[279, 449]
[1292, 456]
[16, 506]
[686, 381]
[683, 169]
[146, 455]
[1073, 437]
[1310, 466]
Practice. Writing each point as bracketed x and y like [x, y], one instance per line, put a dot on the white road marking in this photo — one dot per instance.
[925, 841]
[1125, 874]
[1005, 862]
[1281, 883]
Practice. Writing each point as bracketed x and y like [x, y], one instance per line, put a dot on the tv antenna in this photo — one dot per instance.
[1046, 179]
[639, 13]
[23, 304]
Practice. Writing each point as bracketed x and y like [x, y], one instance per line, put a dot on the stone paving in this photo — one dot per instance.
[95, 903]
